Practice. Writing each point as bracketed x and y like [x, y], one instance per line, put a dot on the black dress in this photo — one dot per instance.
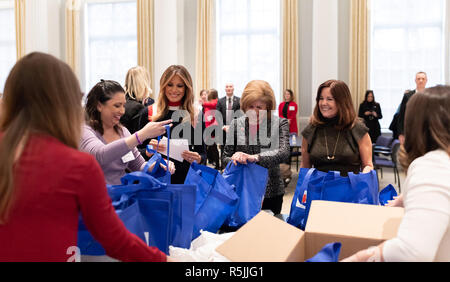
[371, 121]
[195, 145]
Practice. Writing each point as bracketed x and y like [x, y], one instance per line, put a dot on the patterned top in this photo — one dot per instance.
[270, 142]
[346, 158]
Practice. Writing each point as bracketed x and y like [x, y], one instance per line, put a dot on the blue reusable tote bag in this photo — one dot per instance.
[146, 216]
[356, 188]
[250, 181]
[183, 205]
[158, 172]
[216, 199]
[297, 213]
[329, 253]
[387, 194]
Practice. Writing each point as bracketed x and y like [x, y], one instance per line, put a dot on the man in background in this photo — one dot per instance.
[421, 83]
[227, 106]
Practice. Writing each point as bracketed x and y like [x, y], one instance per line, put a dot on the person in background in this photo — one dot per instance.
[335, 139]
[105, 138]
[424, 233]
[203, 96]
[370, 111]
[208, 109]
[421, 83]
[45, 181]
[138, 101]
[258, 102]
[288, 110]
[227, 107]
[177, 97]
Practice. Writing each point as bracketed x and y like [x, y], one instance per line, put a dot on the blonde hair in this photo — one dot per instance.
[41, 95]
[137, 84]
[187, 103]
[258, 90]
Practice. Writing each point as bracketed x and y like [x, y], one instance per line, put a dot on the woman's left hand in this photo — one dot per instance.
[191, 157]
[243, 158]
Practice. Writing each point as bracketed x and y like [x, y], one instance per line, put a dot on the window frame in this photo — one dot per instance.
[248, 32]
[8, 5]
[84, 52]
[445, 49]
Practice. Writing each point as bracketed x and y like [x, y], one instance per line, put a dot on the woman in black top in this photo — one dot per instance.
[137, 95]
[176, 102]
[370, 111]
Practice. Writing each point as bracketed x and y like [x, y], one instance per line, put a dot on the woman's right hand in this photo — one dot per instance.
[397, 202]
[154, 129]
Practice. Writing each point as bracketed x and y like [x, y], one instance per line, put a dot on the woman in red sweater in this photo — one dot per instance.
[288, 110]
[46, 182]
[209, 109]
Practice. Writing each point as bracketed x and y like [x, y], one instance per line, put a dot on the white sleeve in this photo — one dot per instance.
[427, 212]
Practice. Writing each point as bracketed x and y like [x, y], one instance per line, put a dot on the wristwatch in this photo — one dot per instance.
[257, 158]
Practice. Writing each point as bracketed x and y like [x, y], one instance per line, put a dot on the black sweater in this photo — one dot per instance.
[182, 168]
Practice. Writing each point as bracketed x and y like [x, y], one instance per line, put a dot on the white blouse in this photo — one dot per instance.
[424, 231]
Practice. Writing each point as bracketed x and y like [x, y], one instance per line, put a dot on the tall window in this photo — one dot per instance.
[7, 40]
[248, 43]
[110, 40]
[408, 36]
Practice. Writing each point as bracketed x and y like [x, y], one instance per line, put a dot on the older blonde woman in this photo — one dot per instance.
[262, 138]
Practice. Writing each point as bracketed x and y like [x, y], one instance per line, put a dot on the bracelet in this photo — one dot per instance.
[137, 138]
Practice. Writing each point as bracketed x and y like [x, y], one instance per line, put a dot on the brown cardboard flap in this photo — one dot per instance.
[265, 239]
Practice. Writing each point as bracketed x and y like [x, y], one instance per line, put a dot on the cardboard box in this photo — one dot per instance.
[268, 239]
[356, 226]
[265, 238]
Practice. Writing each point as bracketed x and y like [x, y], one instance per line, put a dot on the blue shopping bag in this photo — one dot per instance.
[250, 181]
[297, 214]
[216, 200]
[147, 217]
[160, 214]
[158, 172]
[355, 188]
[387, 194]
[183, 205]
[329, 253]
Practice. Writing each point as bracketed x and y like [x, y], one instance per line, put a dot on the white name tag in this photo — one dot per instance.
[128, 157]
[291, 108]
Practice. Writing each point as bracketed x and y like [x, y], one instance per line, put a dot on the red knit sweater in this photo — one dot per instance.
[53, 184]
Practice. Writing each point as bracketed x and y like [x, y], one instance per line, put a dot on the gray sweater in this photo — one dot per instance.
[271, 144]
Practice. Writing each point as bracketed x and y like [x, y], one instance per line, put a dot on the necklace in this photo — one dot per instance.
[330, 158]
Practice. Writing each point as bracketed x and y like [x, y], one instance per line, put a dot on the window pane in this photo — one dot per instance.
[405, 40]
[111, 41]
[7, 42]
[248, 43]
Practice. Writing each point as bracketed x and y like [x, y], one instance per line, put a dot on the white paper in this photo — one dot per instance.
[177, 146]
[291, 108]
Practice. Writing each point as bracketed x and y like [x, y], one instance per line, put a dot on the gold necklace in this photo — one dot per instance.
[330, 158]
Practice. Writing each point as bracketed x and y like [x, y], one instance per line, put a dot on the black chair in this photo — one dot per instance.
[388, 158]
